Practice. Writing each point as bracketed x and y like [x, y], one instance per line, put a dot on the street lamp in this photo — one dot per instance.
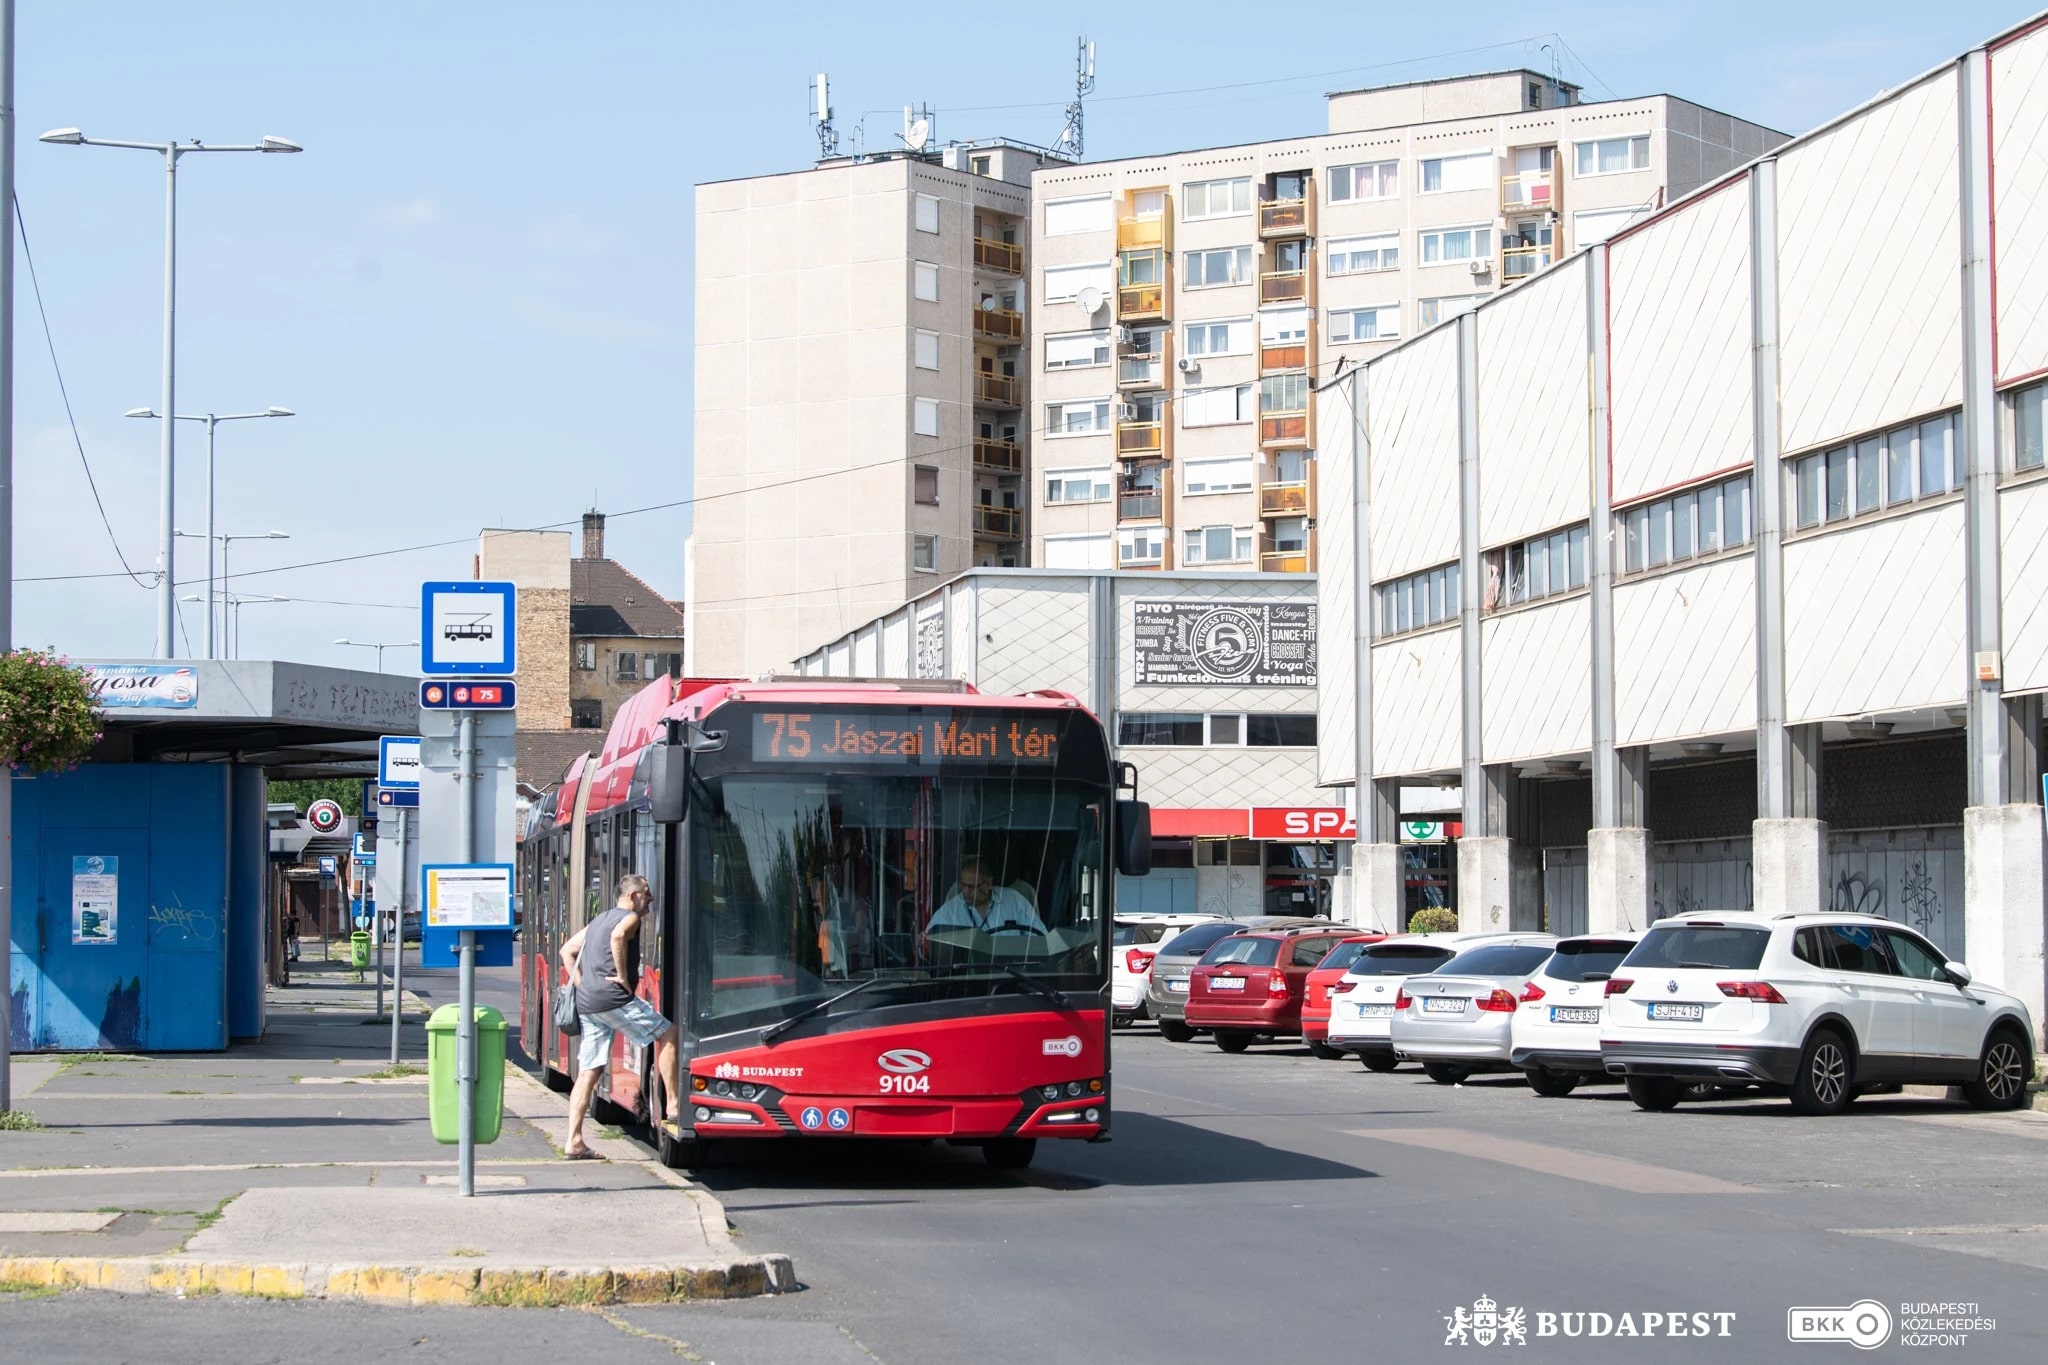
[212, 420]
[380, 647]
[166, 638]
[233, 637]
[225, 542]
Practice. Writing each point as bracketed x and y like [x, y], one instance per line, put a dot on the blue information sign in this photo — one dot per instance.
[468, 629]
[398, 762]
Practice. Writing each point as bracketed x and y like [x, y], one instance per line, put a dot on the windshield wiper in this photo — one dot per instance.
[1032, 985]
[774, 1031]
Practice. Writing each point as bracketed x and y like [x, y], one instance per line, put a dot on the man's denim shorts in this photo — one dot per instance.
[639, 1021]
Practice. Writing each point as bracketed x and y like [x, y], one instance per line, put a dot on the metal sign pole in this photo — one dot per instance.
[377, 936]
[398, 937]
[465, 1028]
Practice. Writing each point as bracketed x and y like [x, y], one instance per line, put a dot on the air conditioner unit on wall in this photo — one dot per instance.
[1482, 267]
[1189, 365]
[1122, 335]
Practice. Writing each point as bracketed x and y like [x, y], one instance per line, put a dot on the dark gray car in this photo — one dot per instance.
[1166, 999]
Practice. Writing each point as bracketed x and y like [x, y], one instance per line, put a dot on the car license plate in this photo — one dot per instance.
[1375, 1011]
[1574, 1014]
[1180, 985]
[1442, 1004]
[1662, 1010]
[1226, 983]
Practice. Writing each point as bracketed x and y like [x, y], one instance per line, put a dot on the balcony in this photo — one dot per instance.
[1288, 499]
[1149, 505]
[997, 523]
[992, 456]
[1139, 234]
[1288, 217]
[1140, 440]
[1528, 190]
[997, 390]
[1004, 258]
[1284, 428]
[1520, 262]
[1146, 369]
[1284, 561]
[1144, 278]
[999, 325]
[1287, 355]
[1286, 286]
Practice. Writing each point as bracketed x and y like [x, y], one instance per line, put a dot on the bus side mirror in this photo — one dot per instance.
[1133, 838]
[668, 782]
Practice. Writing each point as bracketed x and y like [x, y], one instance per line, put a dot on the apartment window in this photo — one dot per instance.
[663, 666]
[1221, 729]
[925, 281]
[1216, 407]
[586, 714]
[1535, 569]
[1283, 326]
[1456, 244]
[924, 484]
[1419, 601]
[1065, 282]
[980, 165]
[924, 416]
[1443, 174]
[1077, 552]
[1064, 486]
[1141, 545]
[1357, 255]
[1077, 419]
[1290, 536]
[1160, 728]
[1365, 324]
[1077, 350]
[1690, 525]
[926, 350]
[1218, 476]
[1448, 306]
[924, 553]
[1216, 198]
[626, 666]
[2027, 434]
[1283, 393]
[1535, 95]
[927, 213]
[586, 656]
[1280, 731]
[1206, 269]
[1066, 216]
[1612, 154]
[1217, 545]
[1597, 225]
[1369, 180]
[1231, 336]
[1905, 464]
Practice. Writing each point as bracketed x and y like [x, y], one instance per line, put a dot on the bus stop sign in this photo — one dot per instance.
[468, 629]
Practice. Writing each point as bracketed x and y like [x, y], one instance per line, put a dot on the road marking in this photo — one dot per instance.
[1612, 1171]
[55, 1222]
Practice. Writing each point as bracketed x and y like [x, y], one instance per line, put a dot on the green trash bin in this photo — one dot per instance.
[359, 950]
[444, 1100]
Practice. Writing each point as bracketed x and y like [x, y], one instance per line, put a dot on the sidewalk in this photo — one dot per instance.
[303, 1167]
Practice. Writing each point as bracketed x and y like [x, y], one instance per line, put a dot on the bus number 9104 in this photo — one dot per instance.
[905, 1085]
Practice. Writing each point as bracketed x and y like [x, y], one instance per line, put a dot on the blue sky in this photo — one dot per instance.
[474, 287]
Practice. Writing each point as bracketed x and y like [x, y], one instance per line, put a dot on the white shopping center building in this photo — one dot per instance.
[1709, 563]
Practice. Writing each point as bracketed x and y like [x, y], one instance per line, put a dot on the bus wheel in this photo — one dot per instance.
[680, 1153]
[556, 1081]
[1009, 1154]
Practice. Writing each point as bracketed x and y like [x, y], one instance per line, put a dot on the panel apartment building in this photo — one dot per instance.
[860, 393]
[1188, 305]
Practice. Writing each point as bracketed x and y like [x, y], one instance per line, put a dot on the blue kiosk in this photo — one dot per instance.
[141, 903]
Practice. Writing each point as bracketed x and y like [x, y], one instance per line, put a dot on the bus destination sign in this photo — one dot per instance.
[900, 737]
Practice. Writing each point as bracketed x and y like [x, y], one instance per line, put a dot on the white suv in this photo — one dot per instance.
[1134, 941]
[1827, 1004]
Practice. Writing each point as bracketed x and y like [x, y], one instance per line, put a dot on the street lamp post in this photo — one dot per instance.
[166, 592]
[212, 421]
[231, 634]
[379, 646]
[225, 542]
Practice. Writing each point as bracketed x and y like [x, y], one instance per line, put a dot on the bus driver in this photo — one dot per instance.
[981, 905]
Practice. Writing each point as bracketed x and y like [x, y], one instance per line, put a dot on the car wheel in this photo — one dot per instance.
[1379, 1061]
[1174, 1031]
[2001, 1080]
[1122, 1020]
[1324, 1051]
[1554, 1085]
[1827, 1076]
[1703, 1090]
[1445, 1075]
[1009, 1154]
[1655, 1093]
[1233, 1040]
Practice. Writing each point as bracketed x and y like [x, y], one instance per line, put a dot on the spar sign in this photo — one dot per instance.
[1303, 822]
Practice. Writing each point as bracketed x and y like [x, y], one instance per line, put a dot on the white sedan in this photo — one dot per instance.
[1557, 1024]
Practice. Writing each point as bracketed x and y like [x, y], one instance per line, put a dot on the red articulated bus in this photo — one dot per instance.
[882, 909]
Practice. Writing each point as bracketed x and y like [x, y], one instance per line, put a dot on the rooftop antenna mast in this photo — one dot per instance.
[821, 113]
[917, 127]
[1084, 85]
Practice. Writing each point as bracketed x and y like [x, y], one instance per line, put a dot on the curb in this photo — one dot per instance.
[421, 1285]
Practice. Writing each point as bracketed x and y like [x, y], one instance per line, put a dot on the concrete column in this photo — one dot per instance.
[2004, 874]
[1791, 861]
[1380, 881]
[1617, 879]
[1485, 884]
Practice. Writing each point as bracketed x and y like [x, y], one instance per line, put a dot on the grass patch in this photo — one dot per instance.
[150, 1213]
[398, 1072]
[609, 1131]
[18, 1121]
[207, 1220]
[184, 1092]
[200, 1291]
[21, 1289]
[579, 1295]
[468, 1251]
[81, 1058]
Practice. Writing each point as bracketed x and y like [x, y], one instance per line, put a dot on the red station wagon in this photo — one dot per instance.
[1315, 999]
[1250, 984]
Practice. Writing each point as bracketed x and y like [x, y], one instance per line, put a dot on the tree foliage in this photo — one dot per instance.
[347, 792]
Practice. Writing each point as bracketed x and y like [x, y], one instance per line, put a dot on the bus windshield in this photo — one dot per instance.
[807, 884]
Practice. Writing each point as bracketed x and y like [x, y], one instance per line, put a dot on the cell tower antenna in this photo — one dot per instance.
[821, 113]
[1069, 142]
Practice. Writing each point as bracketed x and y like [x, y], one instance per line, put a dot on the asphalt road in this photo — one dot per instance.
[1274, 1207]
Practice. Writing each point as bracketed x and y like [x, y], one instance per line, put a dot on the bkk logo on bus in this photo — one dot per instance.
[903, 1069]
